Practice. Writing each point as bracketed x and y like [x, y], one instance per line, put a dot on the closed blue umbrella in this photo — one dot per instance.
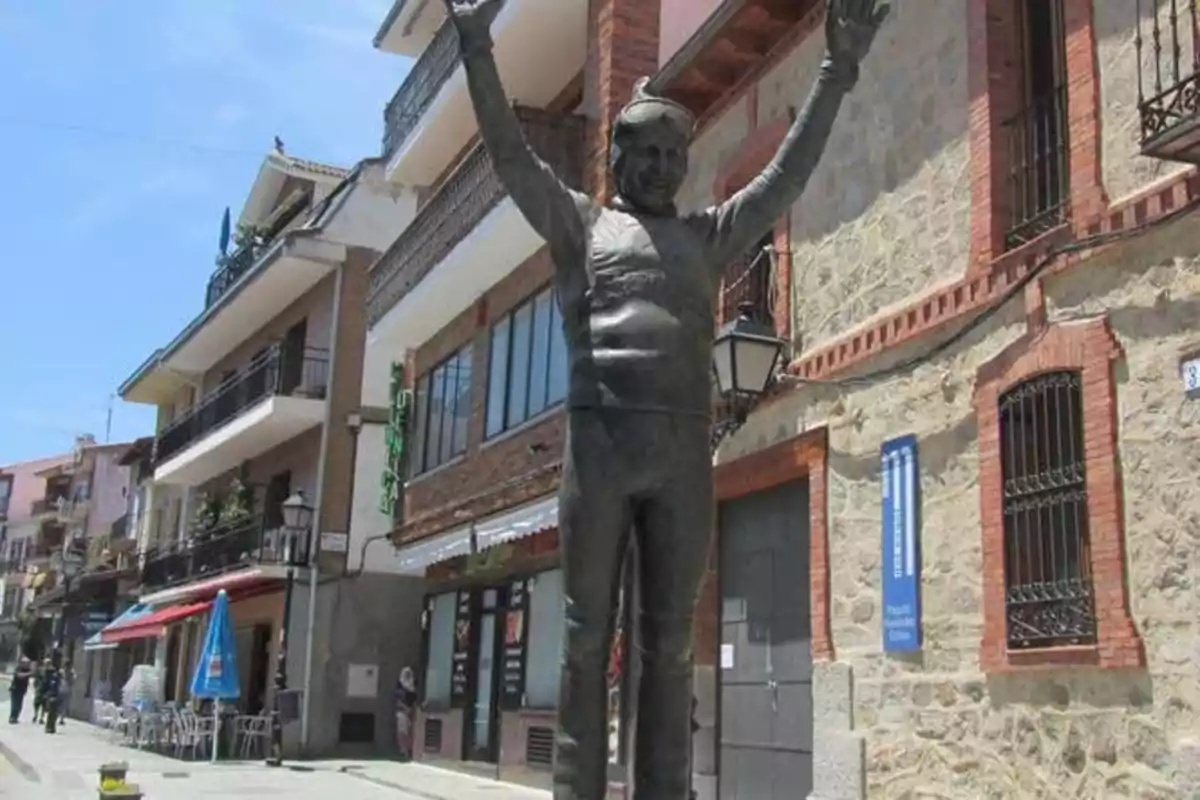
[225, 231]
[216, 675]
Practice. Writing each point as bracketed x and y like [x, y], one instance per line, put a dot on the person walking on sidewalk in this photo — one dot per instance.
[406, 708]
[39, 693]
[18, 688]
[51, 689]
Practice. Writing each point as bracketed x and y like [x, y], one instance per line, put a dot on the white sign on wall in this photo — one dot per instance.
[1191, 375]
[726, 656]
[362, 681]
[334, 542]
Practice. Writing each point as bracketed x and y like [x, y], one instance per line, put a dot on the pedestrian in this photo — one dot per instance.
[66, 678]
[39, 691]
[18, 688]
[51, 690]
[406, 708]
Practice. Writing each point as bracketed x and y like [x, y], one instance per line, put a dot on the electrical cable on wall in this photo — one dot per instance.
[990, 310]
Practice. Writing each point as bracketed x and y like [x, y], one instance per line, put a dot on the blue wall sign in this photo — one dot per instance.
[901, 556]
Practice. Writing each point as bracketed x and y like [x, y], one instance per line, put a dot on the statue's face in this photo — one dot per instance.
[652, 165]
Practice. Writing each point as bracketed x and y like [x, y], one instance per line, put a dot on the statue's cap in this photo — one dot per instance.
[645, 108]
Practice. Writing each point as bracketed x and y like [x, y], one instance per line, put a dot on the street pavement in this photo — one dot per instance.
[35, 765]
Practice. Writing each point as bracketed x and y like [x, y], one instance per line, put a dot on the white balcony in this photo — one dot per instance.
[280, 277]
[539, 48]
[275, 398]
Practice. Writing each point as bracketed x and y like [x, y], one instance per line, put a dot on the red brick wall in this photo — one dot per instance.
[622, 47]
[1091, 347]
[994, 77]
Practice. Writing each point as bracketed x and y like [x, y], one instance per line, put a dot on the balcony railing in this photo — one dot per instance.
[232, 267]
[224, 548]
[748, 280]
[1168, 60]
[420, 87]
[277, 371]
[465, 198]
[1038, 167]
[48, 505]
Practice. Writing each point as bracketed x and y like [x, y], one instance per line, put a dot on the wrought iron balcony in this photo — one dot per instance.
[223, 548]
[1169, 78]
[465, 198]
[748, 280]
[420, 87]
[278, 371]
[232, 267]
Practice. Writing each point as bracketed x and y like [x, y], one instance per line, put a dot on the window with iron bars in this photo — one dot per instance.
[1038, 133]
[1047, 566]
[747, 279]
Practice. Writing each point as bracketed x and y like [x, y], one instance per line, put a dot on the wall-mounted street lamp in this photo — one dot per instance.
[297, 528]
[746, 359]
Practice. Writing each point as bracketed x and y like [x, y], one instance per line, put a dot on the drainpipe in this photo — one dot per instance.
[314, 539]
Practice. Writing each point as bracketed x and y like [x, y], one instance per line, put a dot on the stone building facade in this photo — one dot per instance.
[896, 270]
[924, 276]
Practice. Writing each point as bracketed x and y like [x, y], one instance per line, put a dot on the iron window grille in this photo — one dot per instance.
[1047, 574]
[1038, 139]
[748, 279]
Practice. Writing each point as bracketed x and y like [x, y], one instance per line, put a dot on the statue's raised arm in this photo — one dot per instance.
[551, 208]
[850, 28]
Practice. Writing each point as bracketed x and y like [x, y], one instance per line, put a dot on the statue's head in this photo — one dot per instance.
[650, 140]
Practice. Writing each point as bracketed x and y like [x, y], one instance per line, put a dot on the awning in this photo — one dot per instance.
[134, 612]
[517, 523]
[153, 624]
[415, 557]
[232, 582]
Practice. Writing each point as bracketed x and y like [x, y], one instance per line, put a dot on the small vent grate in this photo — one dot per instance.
[433, 736]
[539, 747]
[356, 728]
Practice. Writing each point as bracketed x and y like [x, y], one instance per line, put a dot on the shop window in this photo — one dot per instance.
[441, 649]
[527, 370]
[544, 658]
[1047, 579]
[443, 411]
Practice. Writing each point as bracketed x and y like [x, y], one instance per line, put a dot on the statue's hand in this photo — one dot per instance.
[473, 17]
[850, 28]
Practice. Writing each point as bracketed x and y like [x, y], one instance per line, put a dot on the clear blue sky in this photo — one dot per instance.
[126, 128]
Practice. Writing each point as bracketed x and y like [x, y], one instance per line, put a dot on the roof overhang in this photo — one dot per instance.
[737, 41]
[409, 26]
[273, 174]
[303, 260]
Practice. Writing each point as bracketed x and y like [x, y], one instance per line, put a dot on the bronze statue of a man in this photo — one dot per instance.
[636, 285]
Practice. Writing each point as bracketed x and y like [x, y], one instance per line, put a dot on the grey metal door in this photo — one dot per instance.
[766, 646]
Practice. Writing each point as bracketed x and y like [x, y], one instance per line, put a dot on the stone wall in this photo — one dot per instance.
[887, 208]
[935, 725]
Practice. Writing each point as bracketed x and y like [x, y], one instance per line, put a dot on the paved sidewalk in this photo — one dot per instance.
[35, 765]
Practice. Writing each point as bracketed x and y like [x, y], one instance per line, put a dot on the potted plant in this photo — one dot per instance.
[114, 771]
[208, 514]
[112, 789]
[237, 508]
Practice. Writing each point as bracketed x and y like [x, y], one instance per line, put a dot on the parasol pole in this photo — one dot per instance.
[216, 730]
